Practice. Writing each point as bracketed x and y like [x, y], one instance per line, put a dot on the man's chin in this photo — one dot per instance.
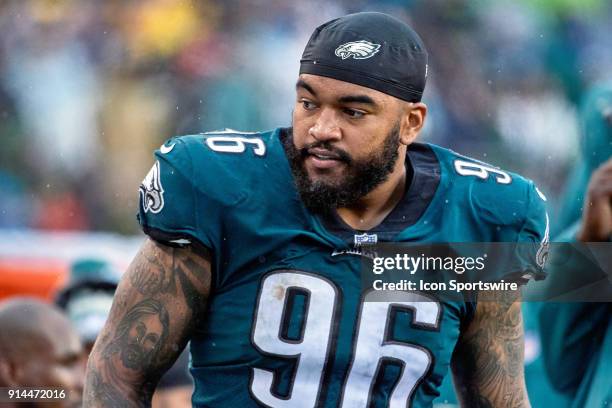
[324, 182]
[322, 194]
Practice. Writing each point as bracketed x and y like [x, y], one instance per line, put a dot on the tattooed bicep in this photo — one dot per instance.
[159, 269]
[488, 360]
[154, 311]
[178, 278]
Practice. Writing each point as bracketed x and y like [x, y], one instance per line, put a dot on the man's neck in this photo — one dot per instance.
[374, 207]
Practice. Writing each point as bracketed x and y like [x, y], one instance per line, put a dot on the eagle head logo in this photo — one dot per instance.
[357, 49]
[151, 191]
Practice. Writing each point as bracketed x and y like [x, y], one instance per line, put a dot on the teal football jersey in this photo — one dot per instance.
[288, 324]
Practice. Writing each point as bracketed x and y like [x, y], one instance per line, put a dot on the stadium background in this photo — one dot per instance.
[88, 88]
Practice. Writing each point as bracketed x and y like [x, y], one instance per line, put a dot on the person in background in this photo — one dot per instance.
[40, 348]
[578, 336]
[595, 149]
[88, 297]
[87, 300]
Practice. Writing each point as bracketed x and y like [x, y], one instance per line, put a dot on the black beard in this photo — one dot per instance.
[362, 176]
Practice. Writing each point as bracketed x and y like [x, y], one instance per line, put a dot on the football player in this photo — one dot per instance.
[250, 251]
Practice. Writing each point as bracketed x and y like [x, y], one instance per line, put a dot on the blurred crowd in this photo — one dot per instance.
[88, 88]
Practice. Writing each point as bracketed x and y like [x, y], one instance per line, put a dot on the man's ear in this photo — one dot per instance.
[413, 119]
[9, 373]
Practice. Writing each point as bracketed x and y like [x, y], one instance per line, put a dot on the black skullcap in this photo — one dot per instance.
[369, 49]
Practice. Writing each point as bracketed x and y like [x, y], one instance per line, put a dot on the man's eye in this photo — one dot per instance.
[355, 114]
[308, 105]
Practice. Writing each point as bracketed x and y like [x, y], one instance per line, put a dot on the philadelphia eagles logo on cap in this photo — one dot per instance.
[357, 49]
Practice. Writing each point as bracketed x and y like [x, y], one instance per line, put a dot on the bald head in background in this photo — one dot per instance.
[40, 348]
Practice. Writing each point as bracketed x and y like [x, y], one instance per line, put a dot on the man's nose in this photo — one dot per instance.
[326, 127]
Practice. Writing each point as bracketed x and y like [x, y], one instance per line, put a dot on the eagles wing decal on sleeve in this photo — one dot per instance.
[542, 253]
[151, 191]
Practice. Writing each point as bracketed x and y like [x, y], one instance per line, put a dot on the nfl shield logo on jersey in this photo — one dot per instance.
[365, 239]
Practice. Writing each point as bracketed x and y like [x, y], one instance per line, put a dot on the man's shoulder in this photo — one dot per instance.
[200, 181]
[221, 146]
[223, 159]
[493, 194]
[469, 169]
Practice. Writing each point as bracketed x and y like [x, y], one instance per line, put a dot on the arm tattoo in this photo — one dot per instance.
[154, 310]
[488, 360]
[151, 275]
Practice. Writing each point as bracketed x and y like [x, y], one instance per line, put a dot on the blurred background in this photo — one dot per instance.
[89, 88]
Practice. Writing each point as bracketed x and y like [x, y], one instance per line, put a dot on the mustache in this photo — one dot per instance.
[341, 154]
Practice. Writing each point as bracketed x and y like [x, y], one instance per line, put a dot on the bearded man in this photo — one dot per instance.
[254, 241]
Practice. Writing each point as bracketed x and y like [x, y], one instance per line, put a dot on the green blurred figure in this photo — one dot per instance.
[596, 148]
[577, 337]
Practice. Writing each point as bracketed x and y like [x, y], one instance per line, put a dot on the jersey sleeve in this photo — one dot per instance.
[520, 252]
[170, 206]
[533, 238]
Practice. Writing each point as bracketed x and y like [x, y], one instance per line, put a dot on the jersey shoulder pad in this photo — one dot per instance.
[504, 203]
[493, 195]
[169, 202]
[227, 162]
[194, 178]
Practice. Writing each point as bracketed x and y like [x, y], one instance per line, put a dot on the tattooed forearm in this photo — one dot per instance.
[154, 310]
[106, 395]
[488, 361]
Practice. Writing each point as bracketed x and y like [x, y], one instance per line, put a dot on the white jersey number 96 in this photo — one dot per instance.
[312, 350]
